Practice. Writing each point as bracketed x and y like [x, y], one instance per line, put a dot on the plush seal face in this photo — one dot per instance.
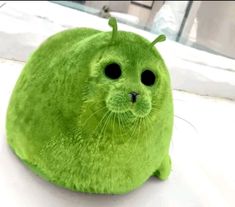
[131, 85]
[128, 79]
[92, 111]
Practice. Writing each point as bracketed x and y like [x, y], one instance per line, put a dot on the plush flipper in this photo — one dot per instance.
[164, 170]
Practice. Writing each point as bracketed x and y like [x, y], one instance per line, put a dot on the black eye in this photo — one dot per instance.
[148, 78]
[113, 71]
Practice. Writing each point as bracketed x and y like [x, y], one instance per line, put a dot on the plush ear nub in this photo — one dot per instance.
[160, 38]
[113, 24]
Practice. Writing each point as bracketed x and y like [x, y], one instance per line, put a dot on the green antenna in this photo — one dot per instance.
[160, 38]
[113, 24]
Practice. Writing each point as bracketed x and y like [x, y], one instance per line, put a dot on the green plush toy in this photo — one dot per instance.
[92, 111]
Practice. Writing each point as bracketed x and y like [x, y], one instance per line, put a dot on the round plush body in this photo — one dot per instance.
[92, 111]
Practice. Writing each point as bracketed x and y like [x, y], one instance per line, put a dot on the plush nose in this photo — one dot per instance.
[133, 96]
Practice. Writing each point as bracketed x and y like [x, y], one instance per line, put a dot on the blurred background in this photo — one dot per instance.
[186, 22]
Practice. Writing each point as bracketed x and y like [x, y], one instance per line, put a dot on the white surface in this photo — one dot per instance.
[24, 25]
[203, 161]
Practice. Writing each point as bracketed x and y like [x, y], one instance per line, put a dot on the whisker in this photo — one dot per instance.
[122, 128]
[149, 121]
[102, 131]
[93, 133]
[145, 138]
[113, 128]
[136, 139]
[93, 114]
[187, 122]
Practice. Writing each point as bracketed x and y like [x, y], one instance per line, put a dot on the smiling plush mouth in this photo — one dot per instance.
[128, 112]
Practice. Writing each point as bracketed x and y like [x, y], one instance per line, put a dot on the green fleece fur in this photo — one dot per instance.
[76, 126]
